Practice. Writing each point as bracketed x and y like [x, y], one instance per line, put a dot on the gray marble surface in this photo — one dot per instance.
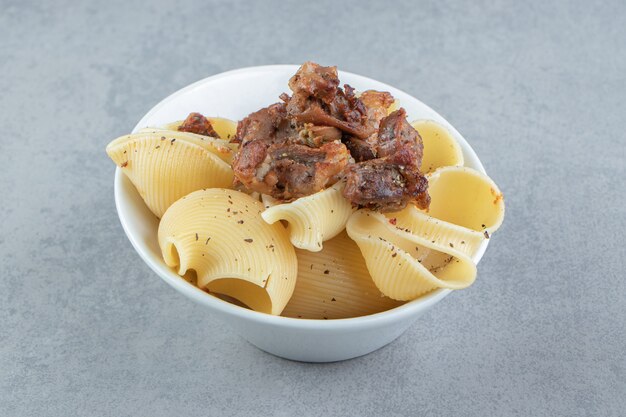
[87, 329]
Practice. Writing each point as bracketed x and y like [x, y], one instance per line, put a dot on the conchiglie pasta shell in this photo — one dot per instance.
[440, 147]
[313, 219]
[219, 234]
[225, 128]
[441, 232]
[404, 266]
[466, 197]
[220, 147]
[466, 207]
[165, 166]
[335, 284]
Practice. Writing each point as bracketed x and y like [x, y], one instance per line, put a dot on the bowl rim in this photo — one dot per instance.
[223, 307]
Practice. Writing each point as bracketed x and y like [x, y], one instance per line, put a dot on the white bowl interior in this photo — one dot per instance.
[234, 95]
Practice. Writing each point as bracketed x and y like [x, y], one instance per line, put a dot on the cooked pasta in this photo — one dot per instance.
[334, 284]
[283, 242]
[440, 148]
[219, 234]
[165, 166]
[220, 147]
[313, 219]
[225, 128]
[466, 208]
[404, 266]
[441, 232]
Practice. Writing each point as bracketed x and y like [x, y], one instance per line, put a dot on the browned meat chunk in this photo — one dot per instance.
[377, 104]
[287, 171]
[197, 123]
[347, 106]
[261, 125]
[313, 80]
[379, 185]
[294, 148]
[317, 99]
[312, 135]
[286, 160]
[360, 149]
[391, 181]
[299, 170]
[398, 139]
[315, 114]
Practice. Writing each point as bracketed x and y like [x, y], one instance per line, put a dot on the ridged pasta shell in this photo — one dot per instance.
[220, 147]
[404, 266]
[335, 284]
[225, 128]
[430, 228]
[440, 147]
[165, 166]
[466, 207]
[313, 219]
[466, 197]
[219, 234]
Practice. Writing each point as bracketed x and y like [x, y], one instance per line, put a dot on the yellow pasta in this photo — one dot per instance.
[335, 283]
[313, 219]
[165, 165]
[440, 148]
[225, 128]
[466, 197]
[466, 208]
[219, 234]
[220, 147]
[441, 232]
[404, 266]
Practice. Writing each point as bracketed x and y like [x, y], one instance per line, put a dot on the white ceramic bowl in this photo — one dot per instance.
[234, 95]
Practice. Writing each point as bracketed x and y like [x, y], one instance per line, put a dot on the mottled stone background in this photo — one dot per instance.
[86, 329]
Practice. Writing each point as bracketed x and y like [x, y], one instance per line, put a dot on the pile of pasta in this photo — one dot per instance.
[316, 257]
